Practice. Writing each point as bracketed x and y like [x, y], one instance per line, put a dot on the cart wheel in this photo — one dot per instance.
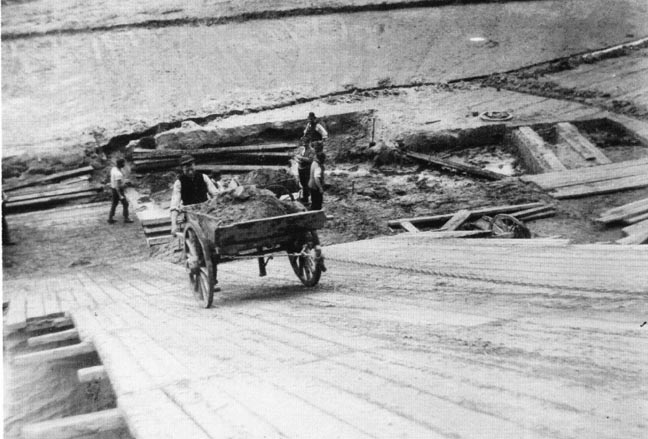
[308, 265]
[503, 224]
[199, 267]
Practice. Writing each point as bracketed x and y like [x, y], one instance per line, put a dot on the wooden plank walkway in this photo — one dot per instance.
[406, 336]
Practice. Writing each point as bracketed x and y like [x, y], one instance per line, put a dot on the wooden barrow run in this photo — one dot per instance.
[206, 244]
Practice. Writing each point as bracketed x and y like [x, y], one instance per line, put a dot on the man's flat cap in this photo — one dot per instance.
[186, 159]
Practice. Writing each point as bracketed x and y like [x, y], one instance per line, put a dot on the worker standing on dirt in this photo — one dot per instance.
[316, 181]
[191, 187]
[117, 184]
[314, 136]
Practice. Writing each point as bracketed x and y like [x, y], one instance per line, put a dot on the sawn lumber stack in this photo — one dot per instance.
[235, 159]
[596, 180]
[634, 214]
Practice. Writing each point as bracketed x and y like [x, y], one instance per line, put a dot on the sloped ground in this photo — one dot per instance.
[84, 88]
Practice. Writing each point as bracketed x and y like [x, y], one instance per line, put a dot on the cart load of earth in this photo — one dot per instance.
[276, 231]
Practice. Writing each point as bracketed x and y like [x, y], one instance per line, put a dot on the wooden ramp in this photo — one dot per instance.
[404, 337]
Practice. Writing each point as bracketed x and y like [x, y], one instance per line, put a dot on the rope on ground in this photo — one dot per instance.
[442, 273]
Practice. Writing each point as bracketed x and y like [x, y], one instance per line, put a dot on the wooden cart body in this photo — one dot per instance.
[266, 233]
[294, 234]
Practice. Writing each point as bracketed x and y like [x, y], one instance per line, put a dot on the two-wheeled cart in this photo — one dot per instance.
[206, 244]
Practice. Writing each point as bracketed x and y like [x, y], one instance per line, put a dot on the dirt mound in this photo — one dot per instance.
[278, 181]
[246, 203]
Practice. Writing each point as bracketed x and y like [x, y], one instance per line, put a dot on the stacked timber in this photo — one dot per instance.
[452, 222]
[230, 159]
[52, 178]
[157, 230]
[635, 215]
[596, 180]
[37, 194]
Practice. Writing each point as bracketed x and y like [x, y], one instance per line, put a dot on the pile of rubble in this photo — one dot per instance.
[244, 203]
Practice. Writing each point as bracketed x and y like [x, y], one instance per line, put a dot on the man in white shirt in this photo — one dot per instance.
[117, 184]
[191, 187]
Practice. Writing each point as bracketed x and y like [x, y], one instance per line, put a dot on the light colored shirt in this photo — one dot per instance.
[116, 178]
[315, 181]
[319, 128]
[176, 197]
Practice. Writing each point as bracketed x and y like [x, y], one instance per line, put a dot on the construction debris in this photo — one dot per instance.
[455, 166]
[59, 176]
[635, 214]
[501, 225]
[55, 194]
[602, 179]
[628, 213]
[438, 220]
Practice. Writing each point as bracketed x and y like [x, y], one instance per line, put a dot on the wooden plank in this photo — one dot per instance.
[636, 218]
[455, 166]
[54, 354]
[202, 156]
[156, 221]
[49, 188]
[639, 238]
[89, 424]
[474, 213]
[16, 317]
[94, 373]
[586, 149]
[41, 202]
[165, 228]
[69, 334]
[49, 324]
[236, 168]
[51, 305]
[602, 187]
[54, 193]
[152, 414]
[637, 227]
[554, 180]
[456, 221]
[540, 215]
[635, 208]
[409, 227]
[455, 234]
[529, 212]
[638, 127]
[35, 307]
[157, 240]
[50, 178]
[147, 153]
[537, 156]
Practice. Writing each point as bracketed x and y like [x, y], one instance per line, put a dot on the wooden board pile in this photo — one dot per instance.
[51, 190]
[634, 215]
[603, 179]
[472, 219]
[230, 159]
